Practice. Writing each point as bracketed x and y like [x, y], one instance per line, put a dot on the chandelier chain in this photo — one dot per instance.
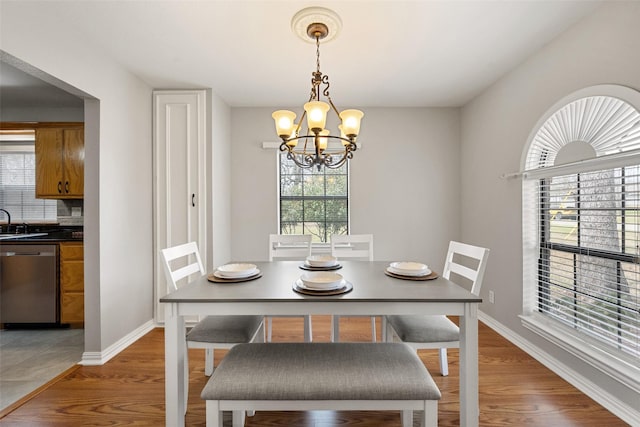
[317, 53]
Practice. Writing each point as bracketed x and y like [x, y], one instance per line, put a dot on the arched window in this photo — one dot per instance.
[581, 228]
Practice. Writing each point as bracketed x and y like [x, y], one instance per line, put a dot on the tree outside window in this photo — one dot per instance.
[313, 202]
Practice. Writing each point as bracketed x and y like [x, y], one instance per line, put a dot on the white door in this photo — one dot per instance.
[179, 142]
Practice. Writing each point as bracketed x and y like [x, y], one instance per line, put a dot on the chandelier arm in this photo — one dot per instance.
[306, 162]
[351, 146]
[332, 105]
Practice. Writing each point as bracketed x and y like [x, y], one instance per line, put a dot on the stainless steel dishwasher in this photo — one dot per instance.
[29, 284]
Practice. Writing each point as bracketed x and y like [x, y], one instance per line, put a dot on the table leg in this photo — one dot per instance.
[469, 409]
[174, 351]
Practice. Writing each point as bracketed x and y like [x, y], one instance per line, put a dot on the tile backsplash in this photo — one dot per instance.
[71, 212]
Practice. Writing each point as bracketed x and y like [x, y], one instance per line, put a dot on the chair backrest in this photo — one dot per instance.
[176, 270]
[454, 265]
[352, 246]
[290, 246]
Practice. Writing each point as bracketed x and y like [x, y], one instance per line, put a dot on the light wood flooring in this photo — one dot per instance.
[515, 390]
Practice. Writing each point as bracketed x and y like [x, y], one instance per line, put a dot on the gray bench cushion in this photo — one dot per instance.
[321, 371]
[225, 329]
[424, 328]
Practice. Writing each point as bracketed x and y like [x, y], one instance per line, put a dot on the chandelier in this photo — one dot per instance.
[310, 146]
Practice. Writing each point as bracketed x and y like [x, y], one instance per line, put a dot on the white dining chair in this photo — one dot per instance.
[354, 247]
[467, 263]
[290, 247]
[183, 263]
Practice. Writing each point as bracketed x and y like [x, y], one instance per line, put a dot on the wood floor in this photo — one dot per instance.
[515, 390]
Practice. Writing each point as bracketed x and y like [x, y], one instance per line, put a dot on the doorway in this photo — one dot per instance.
[30, 358]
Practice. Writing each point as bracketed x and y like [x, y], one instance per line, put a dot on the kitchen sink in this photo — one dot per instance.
[14, 236]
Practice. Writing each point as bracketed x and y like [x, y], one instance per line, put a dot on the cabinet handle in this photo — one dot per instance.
[193, 200]
[59, 186]
[66, 187]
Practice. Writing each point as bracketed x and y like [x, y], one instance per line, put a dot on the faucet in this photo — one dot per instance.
[8, 217]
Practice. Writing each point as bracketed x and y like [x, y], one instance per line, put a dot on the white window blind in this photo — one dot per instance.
[17, 185]
[588, 266]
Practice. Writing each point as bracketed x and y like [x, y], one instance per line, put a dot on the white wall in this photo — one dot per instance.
[219, 237]
[118, 186]
[8, 114]
[603, 48]
[404, 182]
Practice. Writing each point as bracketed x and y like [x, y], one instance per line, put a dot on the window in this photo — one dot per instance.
[313, 202]
[581, 225]
[588, 276]
[18, 184]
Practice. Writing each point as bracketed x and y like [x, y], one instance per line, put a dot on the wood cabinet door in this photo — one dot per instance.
[73, 155]
[72, 282]
[49, 169]
[72, 308]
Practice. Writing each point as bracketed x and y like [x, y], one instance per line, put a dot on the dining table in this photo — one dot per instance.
[371, 291]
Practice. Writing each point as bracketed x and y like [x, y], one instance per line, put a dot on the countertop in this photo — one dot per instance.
[46, 234]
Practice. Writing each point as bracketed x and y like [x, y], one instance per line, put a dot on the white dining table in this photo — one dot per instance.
[373, 293]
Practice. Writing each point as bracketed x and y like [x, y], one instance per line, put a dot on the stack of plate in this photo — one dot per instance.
[321, 281]
[321, 261]
[236, 271]
[410, 269]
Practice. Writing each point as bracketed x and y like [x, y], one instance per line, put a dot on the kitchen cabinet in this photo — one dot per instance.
[71, 282]
[60, 162]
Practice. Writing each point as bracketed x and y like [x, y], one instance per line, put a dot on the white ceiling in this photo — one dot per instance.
[389, 53]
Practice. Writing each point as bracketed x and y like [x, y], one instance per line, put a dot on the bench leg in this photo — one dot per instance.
[213, 413]
[407, 418]
[238, 419]
[430, 414]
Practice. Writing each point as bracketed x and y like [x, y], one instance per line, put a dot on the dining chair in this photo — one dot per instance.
[181, 264]
[467, 263]
[290, 247]
[354, 247]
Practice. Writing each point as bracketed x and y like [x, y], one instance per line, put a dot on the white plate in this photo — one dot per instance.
[341, 284]
[321, 280]
[321, 261]
[217, 274]
[236, 270]
[407, 268]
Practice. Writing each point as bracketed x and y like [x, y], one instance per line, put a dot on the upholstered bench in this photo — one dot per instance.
[317, 376]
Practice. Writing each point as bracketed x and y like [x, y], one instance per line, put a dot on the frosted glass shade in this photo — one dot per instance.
[294, 134]
[316, 114]
[323, 142]
[344, 136]
[351, 122]
[284, 122]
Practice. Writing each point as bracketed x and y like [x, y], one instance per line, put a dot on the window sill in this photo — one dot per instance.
[620, 367]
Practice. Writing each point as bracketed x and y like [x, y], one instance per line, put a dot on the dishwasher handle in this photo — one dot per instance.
[39, 253]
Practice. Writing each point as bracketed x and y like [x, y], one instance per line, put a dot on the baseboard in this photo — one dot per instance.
[95, 358]
[611, 403]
